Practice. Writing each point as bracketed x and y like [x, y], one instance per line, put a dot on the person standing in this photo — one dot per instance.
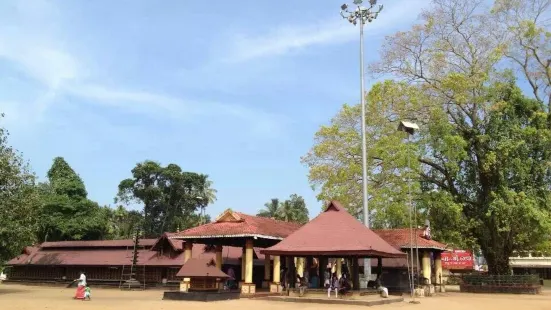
[81, 286]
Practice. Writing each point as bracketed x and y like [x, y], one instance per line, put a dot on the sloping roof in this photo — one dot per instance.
[231, 224]
[333, 232]
[175, 244]
[113, 257]
[400, 238]
[84, 255]
[98, 243]
[201, 267]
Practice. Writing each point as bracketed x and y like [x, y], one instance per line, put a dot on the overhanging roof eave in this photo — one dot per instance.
[436, 248]
[257, 236]
[358, 253]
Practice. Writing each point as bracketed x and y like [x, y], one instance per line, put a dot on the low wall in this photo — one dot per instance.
[509, 284]
[495, 289]
[202, 296]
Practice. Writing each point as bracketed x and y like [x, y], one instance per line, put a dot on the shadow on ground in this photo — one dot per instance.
[10, 290]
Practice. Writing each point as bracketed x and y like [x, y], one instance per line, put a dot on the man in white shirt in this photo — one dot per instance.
[82, 279]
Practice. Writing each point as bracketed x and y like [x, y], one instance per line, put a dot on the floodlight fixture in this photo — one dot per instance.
[408, 127]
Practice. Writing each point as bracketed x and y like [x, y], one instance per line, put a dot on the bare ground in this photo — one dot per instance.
[16, 297]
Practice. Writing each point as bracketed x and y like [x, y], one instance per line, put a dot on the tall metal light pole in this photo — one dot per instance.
[410, 129]
[362, 15]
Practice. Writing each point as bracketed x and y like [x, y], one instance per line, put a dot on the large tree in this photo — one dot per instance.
[170, 196]
[18, 201]
[480, 163]
[66, 213]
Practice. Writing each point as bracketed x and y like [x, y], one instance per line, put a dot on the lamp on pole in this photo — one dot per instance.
[410, 129]
[361, 15]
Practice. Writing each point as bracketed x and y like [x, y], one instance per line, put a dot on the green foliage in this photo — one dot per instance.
[122, 222]
[64, 181]
[18, 201]
[66, 213]
[271, 209]
[335, 159]
[170, 196]
[291, 210]
[480, 161]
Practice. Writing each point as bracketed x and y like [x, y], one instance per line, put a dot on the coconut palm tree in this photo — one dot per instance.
[271, 209]
[294, 210]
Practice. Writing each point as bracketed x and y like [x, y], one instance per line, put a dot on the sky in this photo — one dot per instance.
[232, 89]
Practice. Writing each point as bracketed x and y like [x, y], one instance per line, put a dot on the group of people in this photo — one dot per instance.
[335, 284]
[83, 290]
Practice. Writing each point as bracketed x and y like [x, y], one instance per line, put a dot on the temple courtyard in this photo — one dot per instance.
[17, 297]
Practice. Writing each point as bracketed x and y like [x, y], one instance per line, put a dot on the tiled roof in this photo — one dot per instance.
[84, 255]
[334, 231]
[98, 243]
[400, 238]
[201, 267]
[236, 224]
[97, 257]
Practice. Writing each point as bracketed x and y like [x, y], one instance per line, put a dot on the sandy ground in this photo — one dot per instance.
[15, 297]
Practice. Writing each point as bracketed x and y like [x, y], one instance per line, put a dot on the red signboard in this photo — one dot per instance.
[457, 259]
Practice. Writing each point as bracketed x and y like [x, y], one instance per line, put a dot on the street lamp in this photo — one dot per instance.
[410, 129]
[362, 15]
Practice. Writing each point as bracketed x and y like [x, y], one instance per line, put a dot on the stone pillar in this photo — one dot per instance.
[275, 286]
[355, 273]
[248, 286]
[300, 266]
[338, 269]
[379, 267]
[188, 246]
[426, 266]
[322, 265]
[243, 266]
[438, 271]
[267, 271]
[219, 257]
[292, 274]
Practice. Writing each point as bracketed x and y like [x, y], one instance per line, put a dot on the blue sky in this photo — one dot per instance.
[233, 89]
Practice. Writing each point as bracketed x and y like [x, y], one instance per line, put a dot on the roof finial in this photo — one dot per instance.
[178, 228]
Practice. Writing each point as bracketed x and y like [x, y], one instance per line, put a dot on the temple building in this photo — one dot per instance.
[105, 261]
[257, 250]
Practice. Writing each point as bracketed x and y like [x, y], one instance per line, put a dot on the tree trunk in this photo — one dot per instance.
[497, 259]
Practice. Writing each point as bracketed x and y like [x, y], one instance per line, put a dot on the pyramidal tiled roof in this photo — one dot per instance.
[334, 231]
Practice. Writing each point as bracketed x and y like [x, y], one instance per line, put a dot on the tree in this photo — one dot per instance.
[169, 195]
[480, 161]
[66, 213]
[526, 34]
[294, 210]
[18, 200]
[123, 223]
[271, 209]
[335, 159]
[291, 210]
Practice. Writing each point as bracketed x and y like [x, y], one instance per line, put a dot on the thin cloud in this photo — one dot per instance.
[36, 52]
[287, 39]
